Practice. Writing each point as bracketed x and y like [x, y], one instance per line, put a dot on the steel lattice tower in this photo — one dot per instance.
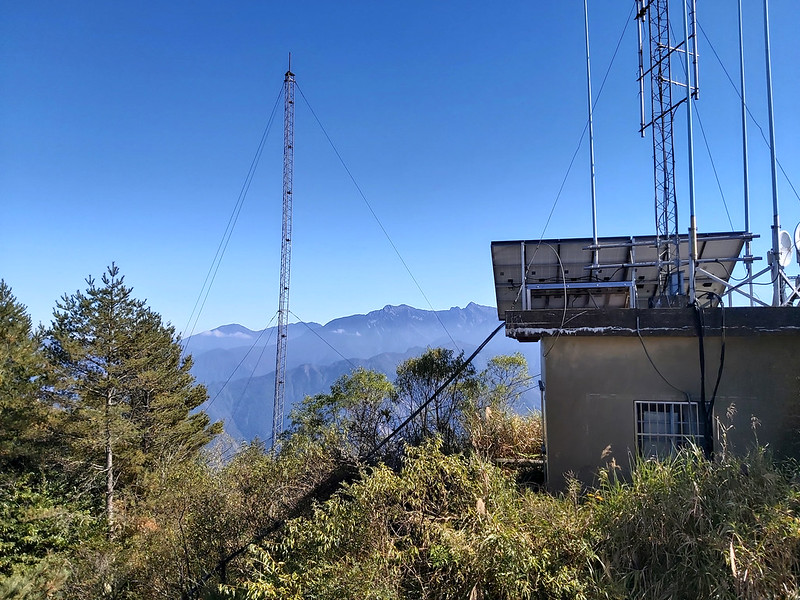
[655, 14]
[286, 255]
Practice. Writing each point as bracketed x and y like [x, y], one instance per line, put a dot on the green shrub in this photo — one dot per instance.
[687, 528]
[444, 527]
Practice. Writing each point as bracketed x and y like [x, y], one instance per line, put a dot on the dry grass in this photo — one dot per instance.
[496, 433]
[689, 528]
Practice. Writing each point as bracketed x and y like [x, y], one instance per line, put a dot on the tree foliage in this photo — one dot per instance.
[126, 395]
[35, 522]
[422, 378]
[506, 379]
[23, 417]
[349, 421]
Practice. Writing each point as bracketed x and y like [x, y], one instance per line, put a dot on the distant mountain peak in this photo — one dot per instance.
[399, 309]
[231, 330]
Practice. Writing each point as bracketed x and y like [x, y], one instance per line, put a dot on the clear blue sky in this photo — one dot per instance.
[127, 129]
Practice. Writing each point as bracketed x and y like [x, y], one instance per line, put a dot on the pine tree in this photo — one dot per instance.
[22, 416]
[127, 394]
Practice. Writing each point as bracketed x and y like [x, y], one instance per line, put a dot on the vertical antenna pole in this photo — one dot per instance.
[693, 37]
[639, 20]
[690, 156]
[286, 255]
[591, 133]
[748, 243]
[777, 297]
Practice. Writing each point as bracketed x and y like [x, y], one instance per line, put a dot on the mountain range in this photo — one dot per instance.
[237, 364]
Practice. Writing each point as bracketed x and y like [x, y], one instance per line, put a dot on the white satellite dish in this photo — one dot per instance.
[797, 241]
[786, 246]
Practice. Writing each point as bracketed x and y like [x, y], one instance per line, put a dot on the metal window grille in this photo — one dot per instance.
[662, 428]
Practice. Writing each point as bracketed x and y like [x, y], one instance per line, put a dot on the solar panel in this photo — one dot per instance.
[555, 273]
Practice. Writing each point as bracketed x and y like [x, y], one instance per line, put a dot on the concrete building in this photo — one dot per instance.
[622, 378]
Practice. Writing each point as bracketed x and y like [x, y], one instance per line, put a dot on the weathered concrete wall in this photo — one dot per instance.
[592, 383]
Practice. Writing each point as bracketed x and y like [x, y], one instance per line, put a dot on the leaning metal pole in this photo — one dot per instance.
[286, 256]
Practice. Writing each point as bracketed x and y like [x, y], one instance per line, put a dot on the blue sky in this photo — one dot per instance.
[128, 129]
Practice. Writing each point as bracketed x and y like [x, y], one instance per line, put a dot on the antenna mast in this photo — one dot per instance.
[654, 14]
[286, 254]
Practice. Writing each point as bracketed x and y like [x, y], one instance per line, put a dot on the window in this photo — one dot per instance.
[664, 427]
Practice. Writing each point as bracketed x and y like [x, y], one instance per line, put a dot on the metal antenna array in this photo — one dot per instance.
[286, 255]
[655, 15]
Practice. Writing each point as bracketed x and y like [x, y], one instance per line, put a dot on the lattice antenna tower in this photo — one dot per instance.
[286, 255]
[653, 15]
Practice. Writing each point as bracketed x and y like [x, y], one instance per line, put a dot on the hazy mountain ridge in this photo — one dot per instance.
[237, 364]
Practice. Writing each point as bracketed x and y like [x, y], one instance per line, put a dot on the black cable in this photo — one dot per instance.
[335, 479]
[653, 364]
[564, 314]
[728, 272]
[234, 217]
[713, 166]
[258, 362]
[701, 348]
[375, 216]
[325, 341]
[705, 411]
[721, 352]
[228, 380]
[747, 108]
[194, 592]
[435, 394]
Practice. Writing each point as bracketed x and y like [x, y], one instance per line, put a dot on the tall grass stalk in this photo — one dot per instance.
[686, 527]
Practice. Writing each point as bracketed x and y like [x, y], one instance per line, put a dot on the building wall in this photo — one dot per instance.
[592, 383]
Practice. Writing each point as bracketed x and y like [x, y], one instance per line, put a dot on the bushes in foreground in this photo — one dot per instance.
[447, 526]
[687, 527]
